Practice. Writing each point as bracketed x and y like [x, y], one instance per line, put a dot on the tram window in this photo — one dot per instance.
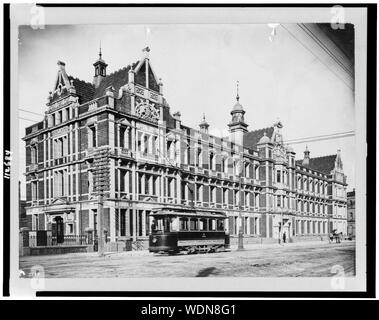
[203, 224]
[209, 224]
[184, 224]
[220, 225]
[174, 224]
[194, 224]
[212, 225]
[160, 224]
[157, 225]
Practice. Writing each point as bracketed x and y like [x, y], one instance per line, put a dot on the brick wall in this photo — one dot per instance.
[102, 133]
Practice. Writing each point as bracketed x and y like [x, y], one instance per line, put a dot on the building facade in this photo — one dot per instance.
[155, 160]
[351, 213]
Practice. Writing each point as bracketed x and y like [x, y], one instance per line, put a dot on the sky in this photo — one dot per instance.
[199, 66]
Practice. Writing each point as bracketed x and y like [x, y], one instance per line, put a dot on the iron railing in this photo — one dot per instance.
[71, 240]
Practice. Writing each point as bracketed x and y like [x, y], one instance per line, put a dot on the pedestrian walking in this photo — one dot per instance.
[284, 237]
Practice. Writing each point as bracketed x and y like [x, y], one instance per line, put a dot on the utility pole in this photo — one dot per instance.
[100, 211]
[100, 169]
[240, 232]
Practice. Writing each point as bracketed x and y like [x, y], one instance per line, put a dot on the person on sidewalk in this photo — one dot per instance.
[284, 237]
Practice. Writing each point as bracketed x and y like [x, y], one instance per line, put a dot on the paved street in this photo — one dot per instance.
[306, 259]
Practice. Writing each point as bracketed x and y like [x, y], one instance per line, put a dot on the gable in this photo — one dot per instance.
[153, 84]
[140, 76]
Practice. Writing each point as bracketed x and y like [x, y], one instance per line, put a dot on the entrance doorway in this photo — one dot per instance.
[58, 229]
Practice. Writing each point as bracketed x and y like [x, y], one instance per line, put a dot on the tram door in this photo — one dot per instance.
[58, 229]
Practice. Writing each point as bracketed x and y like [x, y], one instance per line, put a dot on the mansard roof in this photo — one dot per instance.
[322, 164]
[116, 79]
[84, 90]
[87, 92]
[251, 138]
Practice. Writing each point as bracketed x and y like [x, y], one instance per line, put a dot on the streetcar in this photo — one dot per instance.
[174, 230]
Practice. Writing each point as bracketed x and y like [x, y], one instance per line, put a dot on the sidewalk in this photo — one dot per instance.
[249, 246]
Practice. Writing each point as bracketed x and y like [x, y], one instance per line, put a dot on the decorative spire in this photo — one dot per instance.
[238, 96]
[204, 125]
[100, 54]
[306, 156]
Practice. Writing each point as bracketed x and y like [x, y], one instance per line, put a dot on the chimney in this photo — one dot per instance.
[306, 157]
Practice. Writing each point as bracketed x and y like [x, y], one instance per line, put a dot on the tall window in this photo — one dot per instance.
[123, 186]
[145, 144]
[247, 198]
[147, 184]
[169, 191]
[211, 160]
[59, 117]
[139, 141]
[278, 201]
[92, 136]
[59, 185]
[198, 158]
[213, 193]
[256, 172]
[34, 190]
[247, 171]
[278, 176]
[34, 154]
[122, 137]
[59, 148]
[198, 192]
[224, 195]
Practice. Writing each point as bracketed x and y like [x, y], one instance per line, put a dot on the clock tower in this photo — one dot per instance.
[237, 127]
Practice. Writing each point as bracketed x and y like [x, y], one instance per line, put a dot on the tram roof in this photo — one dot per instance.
[188, 213]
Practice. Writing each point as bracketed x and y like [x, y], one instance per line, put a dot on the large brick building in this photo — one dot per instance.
[156, 160]
[351, 213]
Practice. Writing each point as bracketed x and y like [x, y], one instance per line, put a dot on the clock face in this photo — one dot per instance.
[147, 111]
[279, 154]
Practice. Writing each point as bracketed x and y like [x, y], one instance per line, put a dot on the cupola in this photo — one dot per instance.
[100, 70]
